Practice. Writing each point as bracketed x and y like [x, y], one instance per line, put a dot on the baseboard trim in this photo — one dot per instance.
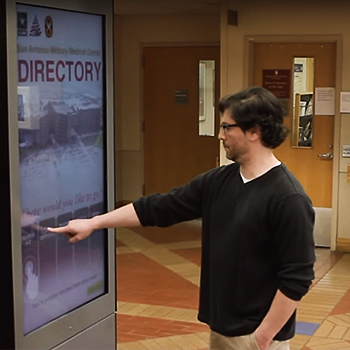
[343, 245]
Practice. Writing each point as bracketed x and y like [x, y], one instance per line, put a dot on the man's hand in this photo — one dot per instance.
[79, 229]
[280, 311]
[76, 230]
[262, 342]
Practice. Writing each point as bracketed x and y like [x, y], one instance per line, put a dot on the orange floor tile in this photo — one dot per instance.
[141, 280]
[191, 254]
[140, 328]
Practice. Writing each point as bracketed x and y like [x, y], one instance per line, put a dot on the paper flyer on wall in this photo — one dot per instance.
[61, 149]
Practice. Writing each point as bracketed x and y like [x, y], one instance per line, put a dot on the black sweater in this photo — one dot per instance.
[257, 238]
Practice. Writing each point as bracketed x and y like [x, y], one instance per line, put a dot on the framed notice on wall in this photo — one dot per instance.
[277, 81]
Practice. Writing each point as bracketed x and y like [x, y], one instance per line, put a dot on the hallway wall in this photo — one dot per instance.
[292, 20]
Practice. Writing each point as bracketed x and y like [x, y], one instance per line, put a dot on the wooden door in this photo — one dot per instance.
[314, 173]
[174, 152]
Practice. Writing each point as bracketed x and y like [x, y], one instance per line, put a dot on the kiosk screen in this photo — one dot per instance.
[61, 118]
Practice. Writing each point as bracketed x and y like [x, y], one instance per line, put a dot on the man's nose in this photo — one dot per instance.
[221, 134]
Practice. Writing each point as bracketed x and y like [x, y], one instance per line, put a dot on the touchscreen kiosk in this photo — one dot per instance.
[63, 145]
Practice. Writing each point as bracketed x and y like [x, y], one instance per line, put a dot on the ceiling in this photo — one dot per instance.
[147, 7]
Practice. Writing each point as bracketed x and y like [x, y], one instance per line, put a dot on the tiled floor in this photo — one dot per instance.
[157, 292]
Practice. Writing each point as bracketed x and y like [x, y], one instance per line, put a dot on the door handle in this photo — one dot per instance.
[328, 155]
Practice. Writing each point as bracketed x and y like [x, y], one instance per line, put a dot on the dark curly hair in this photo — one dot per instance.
[256, 106]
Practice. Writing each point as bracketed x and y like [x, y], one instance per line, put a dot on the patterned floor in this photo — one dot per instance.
[157, 292]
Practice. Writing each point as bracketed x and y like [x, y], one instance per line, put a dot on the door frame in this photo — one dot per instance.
[250, 40]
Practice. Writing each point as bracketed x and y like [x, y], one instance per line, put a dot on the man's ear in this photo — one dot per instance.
[255, 131]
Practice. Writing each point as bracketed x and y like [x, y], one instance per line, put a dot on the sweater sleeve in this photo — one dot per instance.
[295, 245]
[180, 204]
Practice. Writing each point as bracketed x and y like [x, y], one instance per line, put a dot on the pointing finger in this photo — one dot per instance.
[62, 229]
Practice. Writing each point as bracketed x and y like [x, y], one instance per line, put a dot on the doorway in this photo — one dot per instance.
[309, 164]
[174, 149]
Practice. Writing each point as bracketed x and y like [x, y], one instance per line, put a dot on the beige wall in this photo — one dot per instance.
[131, 33]
[288, 20]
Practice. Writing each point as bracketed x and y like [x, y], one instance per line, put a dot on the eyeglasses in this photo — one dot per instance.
[226, 127]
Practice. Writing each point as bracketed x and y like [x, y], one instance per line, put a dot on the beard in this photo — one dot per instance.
[231, 155]
[235, 154]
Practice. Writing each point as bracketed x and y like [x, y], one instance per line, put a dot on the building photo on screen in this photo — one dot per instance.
[61, 119]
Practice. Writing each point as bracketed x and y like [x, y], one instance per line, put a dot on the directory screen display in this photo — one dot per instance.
[61, 118]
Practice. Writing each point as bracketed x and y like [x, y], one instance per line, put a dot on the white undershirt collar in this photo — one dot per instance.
[245, 180]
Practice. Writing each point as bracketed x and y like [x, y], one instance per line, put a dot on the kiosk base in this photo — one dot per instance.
[99, 336]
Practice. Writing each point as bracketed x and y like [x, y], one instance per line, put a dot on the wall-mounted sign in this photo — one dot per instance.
[277, 81]
[346, 151]
[345, 102]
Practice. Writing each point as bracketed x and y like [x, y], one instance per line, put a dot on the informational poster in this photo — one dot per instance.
[325, 101]
[62, 158]
[299, 83]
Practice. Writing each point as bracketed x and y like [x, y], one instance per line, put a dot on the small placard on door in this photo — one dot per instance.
[181, 97]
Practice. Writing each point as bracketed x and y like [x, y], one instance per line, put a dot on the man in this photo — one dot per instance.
[257, 229]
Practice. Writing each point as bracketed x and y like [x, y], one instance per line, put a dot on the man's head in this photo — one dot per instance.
[256, 108]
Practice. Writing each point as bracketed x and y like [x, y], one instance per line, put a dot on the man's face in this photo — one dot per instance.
[234, 140]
